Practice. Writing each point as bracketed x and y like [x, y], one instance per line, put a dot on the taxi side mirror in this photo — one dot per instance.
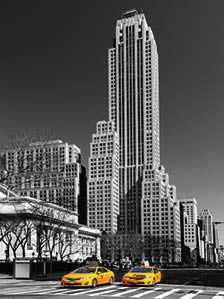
[99, 272]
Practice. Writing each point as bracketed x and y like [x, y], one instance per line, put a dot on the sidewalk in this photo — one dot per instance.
[5, 276]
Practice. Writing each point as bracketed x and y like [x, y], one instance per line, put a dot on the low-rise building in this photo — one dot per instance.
[33, 228]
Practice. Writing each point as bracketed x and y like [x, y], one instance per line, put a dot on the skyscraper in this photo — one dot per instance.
[207, 225]
[134, 108]
[207, 220]
[147, 201]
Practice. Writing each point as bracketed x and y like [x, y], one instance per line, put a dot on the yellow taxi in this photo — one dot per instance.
[143, 275]
[88, 276]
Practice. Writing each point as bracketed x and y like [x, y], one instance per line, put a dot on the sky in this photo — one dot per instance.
[53, 77]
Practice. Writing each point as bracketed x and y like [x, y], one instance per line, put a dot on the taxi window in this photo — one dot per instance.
[104, 270]
[85, 270]
[141, 270]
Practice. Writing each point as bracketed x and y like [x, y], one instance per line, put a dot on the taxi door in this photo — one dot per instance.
[107, 275]
[157, 275]
[101, 276]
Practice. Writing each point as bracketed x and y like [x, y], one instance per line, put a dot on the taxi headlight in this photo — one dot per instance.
[125, 276]
[85, 278]
[64, 278]
[148, 277]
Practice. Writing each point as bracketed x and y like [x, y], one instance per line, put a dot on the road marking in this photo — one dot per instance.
[167, 293]
[9, 291]
[105, 292]
[145, 293]
[126, 292]
[27, 291]
[68, 291]
[12, 289]
[191, 295]
[86, 292]
[217, 296]
[51, 291]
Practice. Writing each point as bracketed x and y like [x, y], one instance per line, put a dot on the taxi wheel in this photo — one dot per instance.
[94, 283]
[153, 282]
[111, 280]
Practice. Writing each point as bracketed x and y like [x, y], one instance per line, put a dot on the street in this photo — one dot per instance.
[11, 288]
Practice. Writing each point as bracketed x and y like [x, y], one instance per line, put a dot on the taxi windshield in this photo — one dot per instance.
[85, 270]
[141, 270]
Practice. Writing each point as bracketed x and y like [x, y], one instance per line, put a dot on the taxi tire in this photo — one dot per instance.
[94, 283]
[111, 280]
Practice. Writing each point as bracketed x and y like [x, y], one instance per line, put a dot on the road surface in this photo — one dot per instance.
[11, 288]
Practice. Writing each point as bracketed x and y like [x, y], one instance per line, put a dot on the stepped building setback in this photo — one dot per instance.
[103, 192]
[147, 202]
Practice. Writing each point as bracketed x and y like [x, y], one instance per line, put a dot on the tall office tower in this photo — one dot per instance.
[190, 227]
[201, 239]
[207, 226]
[48, 171]
[207, 223]
[148, 203]
[134, 108]
[216, 241]
[102, 191]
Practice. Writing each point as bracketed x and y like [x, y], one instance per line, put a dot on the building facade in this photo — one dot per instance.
[134, 108]
[103, 188]
[37, 229]
[216, 241]
[147, 201]
[49, 171]
[206, 219]
[191, 237]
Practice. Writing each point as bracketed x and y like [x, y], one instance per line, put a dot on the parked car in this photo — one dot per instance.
[142, 276]
[88, 276]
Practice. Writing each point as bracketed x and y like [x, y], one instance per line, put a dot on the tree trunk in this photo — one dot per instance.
[24, 251]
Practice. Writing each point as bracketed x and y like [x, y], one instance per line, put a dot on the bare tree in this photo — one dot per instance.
[156, 249]
[122, 245]
[49, 223]
[15, 232]
[18, 172]
[39, 225]
[160, 249]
